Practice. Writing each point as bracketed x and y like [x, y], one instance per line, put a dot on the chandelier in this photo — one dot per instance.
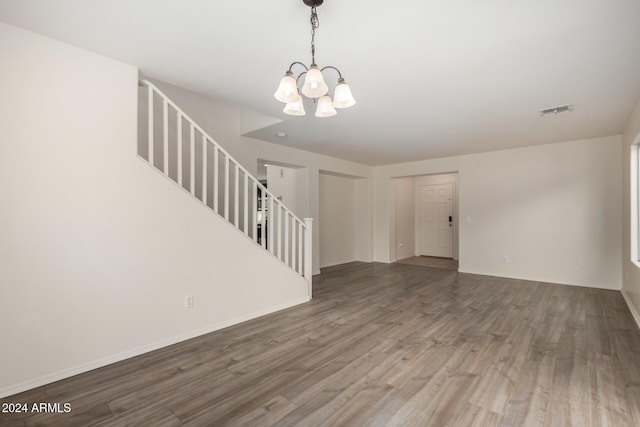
[314, 86]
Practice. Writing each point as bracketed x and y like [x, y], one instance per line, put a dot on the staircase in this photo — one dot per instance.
[183, 152]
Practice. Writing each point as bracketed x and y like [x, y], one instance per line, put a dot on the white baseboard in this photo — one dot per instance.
[85, 367]
[632, 309]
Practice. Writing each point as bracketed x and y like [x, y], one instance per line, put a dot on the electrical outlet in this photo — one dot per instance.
[188, 301]
[505, 259]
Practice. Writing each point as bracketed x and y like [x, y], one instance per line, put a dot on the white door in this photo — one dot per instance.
[436, 220]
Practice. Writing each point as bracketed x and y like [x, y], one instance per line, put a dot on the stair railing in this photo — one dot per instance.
[181, 150]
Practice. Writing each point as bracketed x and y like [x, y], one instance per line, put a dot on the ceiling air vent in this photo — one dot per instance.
[556, 110]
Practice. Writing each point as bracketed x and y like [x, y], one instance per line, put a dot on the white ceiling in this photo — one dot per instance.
[431, 79]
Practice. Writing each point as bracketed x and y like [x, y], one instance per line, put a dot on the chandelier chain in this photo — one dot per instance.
[315, 23]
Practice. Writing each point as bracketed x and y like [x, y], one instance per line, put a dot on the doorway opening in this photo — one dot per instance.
[424, 226]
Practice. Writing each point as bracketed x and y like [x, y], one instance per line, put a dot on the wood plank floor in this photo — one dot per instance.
[383, 345]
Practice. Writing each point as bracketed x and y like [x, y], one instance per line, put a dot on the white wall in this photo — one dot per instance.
[291, 186]
[343, 224]
[403, 229]
[362, 226]
[553, 209]
[631, 282]
[97, 249]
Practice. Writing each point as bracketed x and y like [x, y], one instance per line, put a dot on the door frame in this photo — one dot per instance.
[419, 214]
[434, 179]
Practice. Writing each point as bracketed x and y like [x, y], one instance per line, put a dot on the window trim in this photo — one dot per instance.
[635, 201]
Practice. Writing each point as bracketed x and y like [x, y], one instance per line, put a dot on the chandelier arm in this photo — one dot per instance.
[333, 68]
[299, 63]
[300, 75]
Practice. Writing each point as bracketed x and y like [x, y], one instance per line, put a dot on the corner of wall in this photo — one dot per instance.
[630, 187]
[632, 308]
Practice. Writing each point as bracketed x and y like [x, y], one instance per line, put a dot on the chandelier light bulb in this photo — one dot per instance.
[287, 91]
[325, 107]
[342, 97]
[314, 85]
[295, 108]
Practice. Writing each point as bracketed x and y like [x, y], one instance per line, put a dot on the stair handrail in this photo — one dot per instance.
[304, 224]
[213, 141]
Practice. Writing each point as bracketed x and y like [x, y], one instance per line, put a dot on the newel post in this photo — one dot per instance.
[308, 248]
